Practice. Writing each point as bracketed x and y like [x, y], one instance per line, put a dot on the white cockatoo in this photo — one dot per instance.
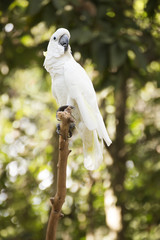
[72, 86]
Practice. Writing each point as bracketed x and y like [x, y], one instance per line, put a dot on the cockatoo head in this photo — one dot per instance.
[58, 44]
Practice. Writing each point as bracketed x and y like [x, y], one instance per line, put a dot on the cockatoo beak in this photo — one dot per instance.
[64, 41]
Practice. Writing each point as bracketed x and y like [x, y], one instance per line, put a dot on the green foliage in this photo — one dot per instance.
[118, 43]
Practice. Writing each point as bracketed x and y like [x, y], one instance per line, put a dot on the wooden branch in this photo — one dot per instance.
[57, 202]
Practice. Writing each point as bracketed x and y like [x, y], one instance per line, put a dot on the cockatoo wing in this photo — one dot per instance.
[81, 89]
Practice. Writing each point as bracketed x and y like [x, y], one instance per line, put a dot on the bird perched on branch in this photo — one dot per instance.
[72, 86]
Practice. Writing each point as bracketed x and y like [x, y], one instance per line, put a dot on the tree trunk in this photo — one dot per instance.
[118, 151]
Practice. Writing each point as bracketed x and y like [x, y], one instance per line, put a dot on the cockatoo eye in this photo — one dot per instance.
[54, 38]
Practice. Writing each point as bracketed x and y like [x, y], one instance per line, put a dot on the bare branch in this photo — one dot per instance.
[57, 202]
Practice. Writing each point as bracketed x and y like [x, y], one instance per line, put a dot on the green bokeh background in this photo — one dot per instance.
[118, 43]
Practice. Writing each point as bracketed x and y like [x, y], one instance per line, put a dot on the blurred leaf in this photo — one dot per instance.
[117, 56]
[151, 7]
[35, 6]
[107, 38]
[82, 36]
[139, 56]
[59, 4]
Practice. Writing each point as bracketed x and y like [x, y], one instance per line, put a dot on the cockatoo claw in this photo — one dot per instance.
[71, 128]
[58, 129]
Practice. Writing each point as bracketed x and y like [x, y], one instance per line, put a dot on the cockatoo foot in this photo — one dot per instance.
[71, 129]
[71, 126]
[58, 129]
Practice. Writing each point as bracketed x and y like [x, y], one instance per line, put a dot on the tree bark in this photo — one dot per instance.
[59, 198]
[54, 161]
[120, 155]
[118, 152]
